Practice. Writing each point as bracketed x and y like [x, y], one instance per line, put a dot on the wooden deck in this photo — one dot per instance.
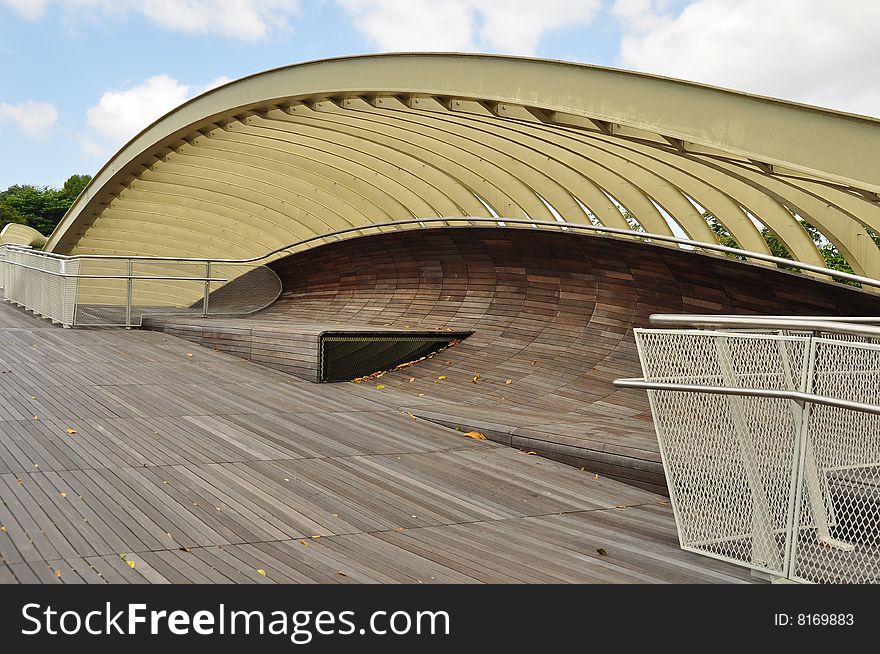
[551, 313]
[138, 457]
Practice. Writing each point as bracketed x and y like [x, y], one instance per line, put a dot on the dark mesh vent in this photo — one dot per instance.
[348, 356]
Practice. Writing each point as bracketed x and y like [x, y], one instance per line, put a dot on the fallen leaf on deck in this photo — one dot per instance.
[58, 574]
[380, 386]
[189, 354]
[475, 434]
[441, 377]
[534, 363]
[602, 551]
[316, 536]
[342, 574]
[131, 564]
[70, 430]
[508, 381]
[3, 529]
[421, 395]
[474, 380]
[260, 571]
[412, 379]
[303, 542]
[184, 549]
[63, 494]
[36, 417]
[531, 452]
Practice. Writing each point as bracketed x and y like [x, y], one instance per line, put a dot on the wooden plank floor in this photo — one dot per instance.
[138, 448]
[552, 316]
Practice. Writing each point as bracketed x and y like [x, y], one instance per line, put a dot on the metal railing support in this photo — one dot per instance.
[207, 294]
[129, 283]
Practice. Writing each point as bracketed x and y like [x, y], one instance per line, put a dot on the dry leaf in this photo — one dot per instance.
[602, 551]
[189, 354]
[474, 380]
[475, 434]
[36, 417]
[534, 363]
[531, 452]
[58, 574]
[421, 395]
[260, 571]
[70, 430]
[3, 529]
[131, 564]
[380, 386]
[303, 542]
[63, 494]
[342, 574]
[184, 549]
[316, 536]
[412, 379]
[508, 381]
[441, 377]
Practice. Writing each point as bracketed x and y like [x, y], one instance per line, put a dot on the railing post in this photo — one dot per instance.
[128, 294]
[207, 289]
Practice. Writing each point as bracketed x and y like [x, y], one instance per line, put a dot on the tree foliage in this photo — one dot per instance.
[832, 256]
[40, 207]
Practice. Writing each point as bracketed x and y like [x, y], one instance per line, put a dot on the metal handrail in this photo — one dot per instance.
[802, 323]
[67, 275]
[797, 396]
[504, 222]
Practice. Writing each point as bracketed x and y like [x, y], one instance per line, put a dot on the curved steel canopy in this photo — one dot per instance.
[317, 147]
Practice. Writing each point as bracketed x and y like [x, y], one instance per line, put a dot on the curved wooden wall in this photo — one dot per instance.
[552, 315]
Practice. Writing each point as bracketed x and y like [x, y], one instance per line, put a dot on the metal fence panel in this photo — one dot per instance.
[790, 487]
[83, 291]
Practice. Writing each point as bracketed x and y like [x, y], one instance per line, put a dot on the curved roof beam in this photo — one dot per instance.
[502, 110]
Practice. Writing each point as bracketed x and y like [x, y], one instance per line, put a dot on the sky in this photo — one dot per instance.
[78, 78]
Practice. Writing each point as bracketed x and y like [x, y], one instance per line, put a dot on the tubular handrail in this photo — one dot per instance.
[502, 222]
[802, 323]
[68, 275]
[797, 396]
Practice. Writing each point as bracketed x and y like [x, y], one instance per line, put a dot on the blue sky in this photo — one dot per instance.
[79, 77]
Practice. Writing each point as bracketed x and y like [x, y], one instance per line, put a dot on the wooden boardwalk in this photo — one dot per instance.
[138, 457]
[551, 313]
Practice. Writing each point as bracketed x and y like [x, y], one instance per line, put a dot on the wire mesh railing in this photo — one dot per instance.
[770, 443]
[121, 291]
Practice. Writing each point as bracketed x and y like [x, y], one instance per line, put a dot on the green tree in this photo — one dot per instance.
[40, 207]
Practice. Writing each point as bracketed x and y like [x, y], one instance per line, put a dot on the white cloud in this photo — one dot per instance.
[514, 26]
[214, 83]
[30, 9]
[812, 51]
[246, 20]
[33, 118]
[120, 114]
